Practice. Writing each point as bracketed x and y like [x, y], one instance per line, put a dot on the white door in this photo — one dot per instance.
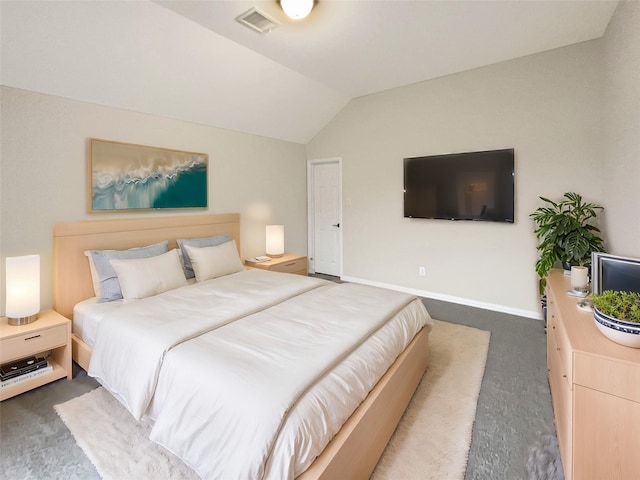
[325, 216]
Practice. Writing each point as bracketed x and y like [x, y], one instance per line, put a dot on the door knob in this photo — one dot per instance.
[336, 225]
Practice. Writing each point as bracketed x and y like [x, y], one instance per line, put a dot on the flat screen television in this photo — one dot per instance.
[461, 186]
[614, 272]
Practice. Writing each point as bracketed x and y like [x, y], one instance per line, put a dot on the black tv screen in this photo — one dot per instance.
[461, 186]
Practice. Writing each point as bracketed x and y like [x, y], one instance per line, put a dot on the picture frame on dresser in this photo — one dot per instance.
[614, 272]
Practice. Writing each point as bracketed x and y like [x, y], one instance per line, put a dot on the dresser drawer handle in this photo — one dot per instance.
[564, 376]
[31, 338]
[290, 264]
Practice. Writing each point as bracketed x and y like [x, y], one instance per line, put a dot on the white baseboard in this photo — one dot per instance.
[449, 298]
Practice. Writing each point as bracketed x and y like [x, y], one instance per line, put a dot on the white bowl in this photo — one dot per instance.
[624, 333]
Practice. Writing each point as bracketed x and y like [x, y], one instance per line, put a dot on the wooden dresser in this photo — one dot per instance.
[595, 389]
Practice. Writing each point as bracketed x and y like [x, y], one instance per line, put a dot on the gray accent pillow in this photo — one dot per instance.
[199, 243]
[109, 285]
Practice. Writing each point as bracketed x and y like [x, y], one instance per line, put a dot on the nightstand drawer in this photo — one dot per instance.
[292, 266]
[29, 343]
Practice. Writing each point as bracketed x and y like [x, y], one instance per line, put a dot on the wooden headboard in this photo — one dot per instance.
[72, 278]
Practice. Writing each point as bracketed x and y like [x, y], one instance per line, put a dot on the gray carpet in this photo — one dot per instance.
[544, 459]
[514, 408]
[513, 421]
[34, 443]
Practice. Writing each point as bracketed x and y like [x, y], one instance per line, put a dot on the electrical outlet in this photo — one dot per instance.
[421, 271]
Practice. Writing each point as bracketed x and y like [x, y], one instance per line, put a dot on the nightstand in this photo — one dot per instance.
[287, 263]
[51, 332]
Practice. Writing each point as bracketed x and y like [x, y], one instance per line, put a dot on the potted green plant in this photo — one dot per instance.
[566, 233]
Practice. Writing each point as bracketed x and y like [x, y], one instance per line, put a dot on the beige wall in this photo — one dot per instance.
[571, 114]
[620, 168]
[44, 173]
[546, 106]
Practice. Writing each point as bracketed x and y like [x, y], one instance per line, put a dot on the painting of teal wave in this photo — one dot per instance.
[176, 182]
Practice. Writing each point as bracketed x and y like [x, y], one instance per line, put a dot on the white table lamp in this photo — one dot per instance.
[275, 241]
[22, 289]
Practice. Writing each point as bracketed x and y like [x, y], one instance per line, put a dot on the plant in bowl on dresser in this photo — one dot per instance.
[566, 233]
[619, 305]
[617, 316]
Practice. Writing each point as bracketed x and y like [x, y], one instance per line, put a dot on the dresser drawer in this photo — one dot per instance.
[606, 436]
[558, 341]
[621, 379]
[297, 265]
[29, 343]
[561, 398]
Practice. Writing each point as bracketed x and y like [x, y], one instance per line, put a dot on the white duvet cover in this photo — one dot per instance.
[88, 314]
[250, 375]
[131, 342]
[261, 397]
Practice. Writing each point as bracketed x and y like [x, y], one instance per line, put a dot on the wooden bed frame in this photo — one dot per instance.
[355, 450]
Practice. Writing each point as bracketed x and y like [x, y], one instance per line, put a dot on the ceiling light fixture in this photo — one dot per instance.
[297, 9]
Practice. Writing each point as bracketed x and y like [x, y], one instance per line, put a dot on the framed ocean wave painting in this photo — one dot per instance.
[124, 176]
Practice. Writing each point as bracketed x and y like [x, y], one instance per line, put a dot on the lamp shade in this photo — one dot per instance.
[297, 9]
[23, 288]
[275, 240]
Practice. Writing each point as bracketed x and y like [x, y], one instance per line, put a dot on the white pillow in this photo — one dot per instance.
[215, 261]
[144, 277]
[105, 281]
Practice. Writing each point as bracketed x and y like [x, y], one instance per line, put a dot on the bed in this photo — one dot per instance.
[353, 451]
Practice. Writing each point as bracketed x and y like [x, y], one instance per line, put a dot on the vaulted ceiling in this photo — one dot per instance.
[191, 60]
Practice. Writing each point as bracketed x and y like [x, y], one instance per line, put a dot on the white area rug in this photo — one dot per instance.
[431, 442]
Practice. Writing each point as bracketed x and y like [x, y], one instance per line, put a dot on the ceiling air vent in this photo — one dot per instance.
[257, 20]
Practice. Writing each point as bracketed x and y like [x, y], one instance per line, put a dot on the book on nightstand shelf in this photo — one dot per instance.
[26, 376]
[21, 370]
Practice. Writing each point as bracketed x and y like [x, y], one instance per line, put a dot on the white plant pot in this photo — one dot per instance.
[624, 333]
